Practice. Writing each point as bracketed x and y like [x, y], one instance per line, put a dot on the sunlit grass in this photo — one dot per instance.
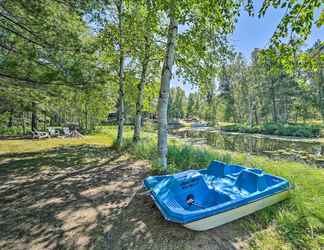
[28, 145]
[104, 136]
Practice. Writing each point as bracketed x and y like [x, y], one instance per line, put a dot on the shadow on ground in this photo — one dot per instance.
[80, 197]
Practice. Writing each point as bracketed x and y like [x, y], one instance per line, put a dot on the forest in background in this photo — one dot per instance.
[262, 91]
[262, 95]
[74, 62]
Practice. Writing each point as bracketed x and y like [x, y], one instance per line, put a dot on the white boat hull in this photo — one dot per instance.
[234, 214]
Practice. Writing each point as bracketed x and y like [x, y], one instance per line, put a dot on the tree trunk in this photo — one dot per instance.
[165, 87]
[23, 122]
[256, 115]
[140, 97]
[273, 100]
[321, 91]
[251, 111]
[34, 117]
[286, 110]
[44, 124]
[85, 125]
[141, 84]
[121, 108]
[10, 120]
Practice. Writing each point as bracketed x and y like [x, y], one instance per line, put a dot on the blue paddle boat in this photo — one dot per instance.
[207, 198]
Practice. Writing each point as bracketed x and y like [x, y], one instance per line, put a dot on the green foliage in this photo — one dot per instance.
[13, 131]
[65, 57]
[180, 157]
[144, 150]
[49, 56]
[277, 86]
[177, 103]
[297, 21]
[297, 130]
[184, 157]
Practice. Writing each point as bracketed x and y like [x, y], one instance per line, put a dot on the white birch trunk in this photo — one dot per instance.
[164, 89]
[121, 108]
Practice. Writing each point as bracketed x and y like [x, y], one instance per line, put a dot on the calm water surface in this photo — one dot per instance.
[281, 147]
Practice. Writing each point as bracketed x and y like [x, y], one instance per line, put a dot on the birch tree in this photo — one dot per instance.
[165, 85]
[121, 72]
[114, 21]
[147, 52]
[193, 15]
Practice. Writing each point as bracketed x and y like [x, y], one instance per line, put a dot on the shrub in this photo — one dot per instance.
[144, 150]
[180, 156]
[297, 130]
[12, 131]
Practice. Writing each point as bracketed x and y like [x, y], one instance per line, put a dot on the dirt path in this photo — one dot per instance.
[79, 198]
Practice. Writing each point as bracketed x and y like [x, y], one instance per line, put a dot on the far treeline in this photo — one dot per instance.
[74, 62]
[262, 96]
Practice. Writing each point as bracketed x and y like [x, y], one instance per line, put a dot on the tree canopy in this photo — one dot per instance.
[68, 61]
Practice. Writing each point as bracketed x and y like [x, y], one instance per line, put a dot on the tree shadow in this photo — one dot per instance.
[53, 159]
[141, 226]
[44, 194]
[83, 197]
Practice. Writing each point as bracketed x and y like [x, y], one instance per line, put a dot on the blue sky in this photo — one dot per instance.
[254, 32]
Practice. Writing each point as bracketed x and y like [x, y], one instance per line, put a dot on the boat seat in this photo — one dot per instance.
[251, 181]
[189, 180]
[220, 169]
[192, 185]
[216, 168]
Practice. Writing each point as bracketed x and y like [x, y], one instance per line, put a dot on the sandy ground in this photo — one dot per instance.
[80, 197]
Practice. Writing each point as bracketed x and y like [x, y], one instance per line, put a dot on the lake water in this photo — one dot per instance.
[274, 146]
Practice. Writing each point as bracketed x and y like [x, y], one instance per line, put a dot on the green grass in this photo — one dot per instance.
[297, 223]
[28, 145]
[104, 136]
[298, 130]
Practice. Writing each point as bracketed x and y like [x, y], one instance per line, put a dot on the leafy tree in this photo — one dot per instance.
[190, 105]
[214, 16]
[148, 53]
[177, 102]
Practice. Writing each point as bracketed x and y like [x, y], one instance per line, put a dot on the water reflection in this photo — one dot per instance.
[296, 150]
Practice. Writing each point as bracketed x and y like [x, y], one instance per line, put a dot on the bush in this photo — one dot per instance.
[297, 130]
[12, 131]
[180, 156]
[232, 128]
[144, 150]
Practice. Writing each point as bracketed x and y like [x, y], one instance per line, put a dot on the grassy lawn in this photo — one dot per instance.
[7, 146]
[76, 194]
